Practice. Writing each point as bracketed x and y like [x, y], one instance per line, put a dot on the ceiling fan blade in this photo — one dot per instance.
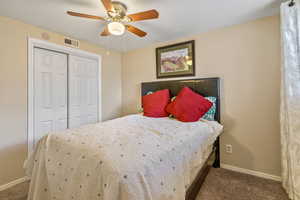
[136, 31]
[150, 14]
[108, 5]
[84, 15]
[105, 32]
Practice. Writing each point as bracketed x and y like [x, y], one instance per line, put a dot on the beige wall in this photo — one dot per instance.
[13, 91]
[247, 58]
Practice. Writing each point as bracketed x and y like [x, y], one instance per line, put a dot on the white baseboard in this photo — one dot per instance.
[251, 172]
[13, 183]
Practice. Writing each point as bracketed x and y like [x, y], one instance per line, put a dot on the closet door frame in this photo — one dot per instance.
[36, 43]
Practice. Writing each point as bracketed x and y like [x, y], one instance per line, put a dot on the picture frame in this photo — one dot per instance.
[177, 60]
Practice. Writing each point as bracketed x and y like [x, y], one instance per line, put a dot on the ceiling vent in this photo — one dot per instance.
[71, 42]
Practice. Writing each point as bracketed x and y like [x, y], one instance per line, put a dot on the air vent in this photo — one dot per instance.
[71, 42]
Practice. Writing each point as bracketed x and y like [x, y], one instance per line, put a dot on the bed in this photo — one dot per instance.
[129, 158]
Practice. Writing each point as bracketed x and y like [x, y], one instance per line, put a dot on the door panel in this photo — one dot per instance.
[47, 82]
[83, 91]
[50, 88]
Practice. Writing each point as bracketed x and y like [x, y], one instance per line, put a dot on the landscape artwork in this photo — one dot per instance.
[176, 60]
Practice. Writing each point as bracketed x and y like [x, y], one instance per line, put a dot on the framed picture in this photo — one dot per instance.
[176, 60]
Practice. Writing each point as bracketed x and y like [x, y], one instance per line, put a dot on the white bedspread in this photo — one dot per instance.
[129, 158]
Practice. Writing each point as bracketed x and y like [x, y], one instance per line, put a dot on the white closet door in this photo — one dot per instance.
[83, 91]
[50, 92]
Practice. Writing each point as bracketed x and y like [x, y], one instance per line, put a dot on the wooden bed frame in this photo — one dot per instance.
[205, 87]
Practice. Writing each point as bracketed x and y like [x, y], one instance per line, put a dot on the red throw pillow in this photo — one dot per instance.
[189, 106]
[154, 105]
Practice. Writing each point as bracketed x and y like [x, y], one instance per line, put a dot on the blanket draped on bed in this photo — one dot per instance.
[130, 158]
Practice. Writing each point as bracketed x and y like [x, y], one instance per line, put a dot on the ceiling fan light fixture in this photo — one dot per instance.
[116, 28]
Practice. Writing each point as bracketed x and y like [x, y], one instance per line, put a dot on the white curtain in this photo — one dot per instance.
[290, 98]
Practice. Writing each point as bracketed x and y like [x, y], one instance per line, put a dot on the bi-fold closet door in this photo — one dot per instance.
[83, 95]
[65, 91]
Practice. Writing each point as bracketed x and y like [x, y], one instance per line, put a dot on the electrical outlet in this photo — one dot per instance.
[228, 148]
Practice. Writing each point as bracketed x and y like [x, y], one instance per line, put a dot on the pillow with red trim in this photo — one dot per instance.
[189, 106]
[154, 105]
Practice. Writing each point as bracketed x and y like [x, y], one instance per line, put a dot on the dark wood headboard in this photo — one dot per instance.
[204, 86]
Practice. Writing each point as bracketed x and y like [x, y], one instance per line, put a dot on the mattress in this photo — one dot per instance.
[129, 158]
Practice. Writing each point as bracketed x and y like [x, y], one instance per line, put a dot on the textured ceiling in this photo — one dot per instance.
[177, 18]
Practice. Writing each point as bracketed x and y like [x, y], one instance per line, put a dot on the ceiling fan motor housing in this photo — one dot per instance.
[120, 10]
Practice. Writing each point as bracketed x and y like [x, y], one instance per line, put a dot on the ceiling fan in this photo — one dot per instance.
[118, 19]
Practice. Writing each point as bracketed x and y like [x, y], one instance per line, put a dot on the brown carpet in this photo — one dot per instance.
[220, 184]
